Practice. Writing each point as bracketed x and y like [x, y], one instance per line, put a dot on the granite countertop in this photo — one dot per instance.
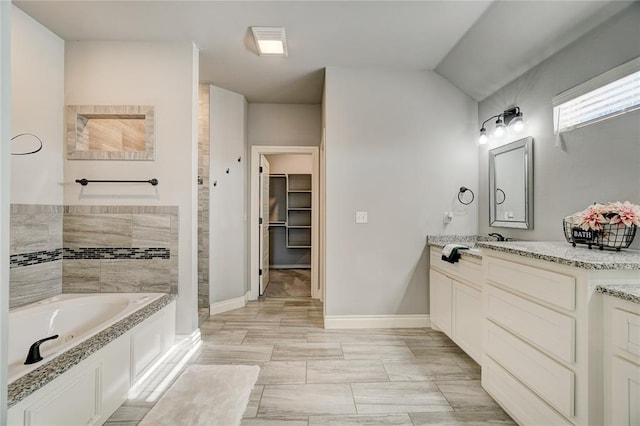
[563, 253]
[44, 374]
[629, 292]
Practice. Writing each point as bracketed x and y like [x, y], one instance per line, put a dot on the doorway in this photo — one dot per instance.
[284, 222]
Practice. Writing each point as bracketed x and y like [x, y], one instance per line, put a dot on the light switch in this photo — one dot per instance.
[361, 217]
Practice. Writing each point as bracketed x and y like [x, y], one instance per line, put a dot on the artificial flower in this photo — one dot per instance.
[625, 213]
[593, 218]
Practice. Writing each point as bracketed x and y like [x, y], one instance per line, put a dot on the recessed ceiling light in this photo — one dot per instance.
[270, 41]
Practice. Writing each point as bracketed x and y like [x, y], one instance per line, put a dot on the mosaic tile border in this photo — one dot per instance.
[34, 258]
[132, 253]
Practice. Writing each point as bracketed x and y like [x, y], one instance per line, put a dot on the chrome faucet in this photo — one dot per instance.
[497, 236]
[34, 350]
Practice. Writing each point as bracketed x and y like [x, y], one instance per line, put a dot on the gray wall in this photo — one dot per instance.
[228, 252]
[600, 162]
[399, 145]
[284, 124]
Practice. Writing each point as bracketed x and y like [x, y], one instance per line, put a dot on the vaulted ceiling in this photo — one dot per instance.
[477, 45]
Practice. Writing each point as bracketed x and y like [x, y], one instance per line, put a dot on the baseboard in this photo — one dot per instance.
[290, 266]
[376, 321]
[229, 305]
[192, 339]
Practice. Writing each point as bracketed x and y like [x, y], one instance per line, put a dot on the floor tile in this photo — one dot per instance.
[274, 422]
[466, 418]
[277, 335]
[306, 351]
[373, 351]
[235, 354]
[283, 372]
[225, 337]
[466, 395]
[310, 399]
[398, 397]
[254, 401]
[343, 371]
[419, 369]
[380, 419]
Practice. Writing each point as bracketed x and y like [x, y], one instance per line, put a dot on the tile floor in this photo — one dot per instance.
[289, 283]
[312, 376]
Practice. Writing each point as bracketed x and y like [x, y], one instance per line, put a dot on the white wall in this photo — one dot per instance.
[164, 75]
[290, 163]
[37, 62]
[284, 124]
[5, 193]
[398, 145]
[228, 240]
[600, 162]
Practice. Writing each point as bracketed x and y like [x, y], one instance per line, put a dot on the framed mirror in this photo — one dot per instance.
[511, 185]
[110, 132]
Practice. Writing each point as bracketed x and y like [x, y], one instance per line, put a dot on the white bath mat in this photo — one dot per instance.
[205, 395]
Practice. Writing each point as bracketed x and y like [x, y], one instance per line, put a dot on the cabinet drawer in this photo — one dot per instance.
[626, 331]
[551, 287]
[546, 328]
[544, 376]
[519, 401]
[464, 269]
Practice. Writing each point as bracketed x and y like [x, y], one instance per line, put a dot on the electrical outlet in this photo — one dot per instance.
[447, 217]
[361, 217]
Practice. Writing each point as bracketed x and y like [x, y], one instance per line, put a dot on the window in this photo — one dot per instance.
[610, 94]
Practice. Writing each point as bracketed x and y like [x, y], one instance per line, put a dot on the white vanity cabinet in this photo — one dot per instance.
[622, 361]
[542, 337]
[455, 300]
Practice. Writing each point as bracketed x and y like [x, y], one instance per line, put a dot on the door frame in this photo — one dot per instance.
[254, 214]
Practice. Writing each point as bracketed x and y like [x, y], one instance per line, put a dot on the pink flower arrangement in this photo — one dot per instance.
[621, 214]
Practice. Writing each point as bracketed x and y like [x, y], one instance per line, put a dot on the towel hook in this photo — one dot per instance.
[464, 189]
[504, 196]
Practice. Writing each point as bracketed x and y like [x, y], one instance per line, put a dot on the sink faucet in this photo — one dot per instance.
[497, 236]
[34, 350]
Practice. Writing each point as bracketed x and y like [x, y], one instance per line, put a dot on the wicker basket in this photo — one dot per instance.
[610, 236]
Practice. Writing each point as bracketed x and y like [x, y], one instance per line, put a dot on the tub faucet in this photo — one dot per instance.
[497, 236]
[34, 350]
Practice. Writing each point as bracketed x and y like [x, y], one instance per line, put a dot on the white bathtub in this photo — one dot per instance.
[74, 317]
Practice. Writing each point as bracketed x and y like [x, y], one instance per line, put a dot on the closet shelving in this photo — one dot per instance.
[293, 191]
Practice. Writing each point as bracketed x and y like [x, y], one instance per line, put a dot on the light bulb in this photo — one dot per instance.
[483, 136]
[517, 124]
[499, 130]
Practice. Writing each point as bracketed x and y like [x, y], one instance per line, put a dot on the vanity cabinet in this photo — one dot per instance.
[542, 321]
[622, 361]
[456, 301]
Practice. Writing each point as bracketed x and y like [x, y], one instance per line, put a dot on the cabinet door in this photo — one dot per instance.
[625, 394]
[440, 301]
[467, 319]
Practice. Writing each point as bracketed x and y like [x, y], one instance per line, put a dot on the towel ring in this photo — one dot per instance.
[464, 189]
[504, 196]
[29, 152]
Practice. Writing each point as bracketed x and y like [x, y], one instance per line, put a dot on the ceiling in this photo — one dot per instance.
[477, 45]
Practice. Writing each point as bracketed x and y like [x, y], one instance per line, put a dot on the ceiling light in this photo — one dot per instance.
[270, 41]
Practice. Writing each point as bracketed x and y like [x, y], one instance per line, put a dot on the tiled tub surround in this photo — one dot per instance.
[26, 385]
[203, 196]
[36, 253]
[121, 249]
[564, 254]
[628, 292]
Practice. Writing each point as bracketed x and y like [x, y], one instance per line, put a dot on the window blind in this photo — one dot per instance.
[610, 94]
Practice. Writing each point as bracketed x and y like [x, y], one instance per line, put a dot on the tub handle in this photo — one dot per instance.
[34, 350]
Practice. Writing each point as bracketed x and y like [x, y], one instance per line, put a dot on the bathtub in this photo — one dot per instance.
[106, 343]
[73, 317]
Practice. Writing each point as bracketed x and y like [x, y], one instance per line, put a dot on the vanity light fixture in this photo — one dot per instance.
[270, 41]
[511, 117]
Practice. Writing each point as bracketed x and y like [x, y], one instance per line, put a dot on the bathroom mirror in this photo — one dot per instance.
[110, 132]
[511, 185]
